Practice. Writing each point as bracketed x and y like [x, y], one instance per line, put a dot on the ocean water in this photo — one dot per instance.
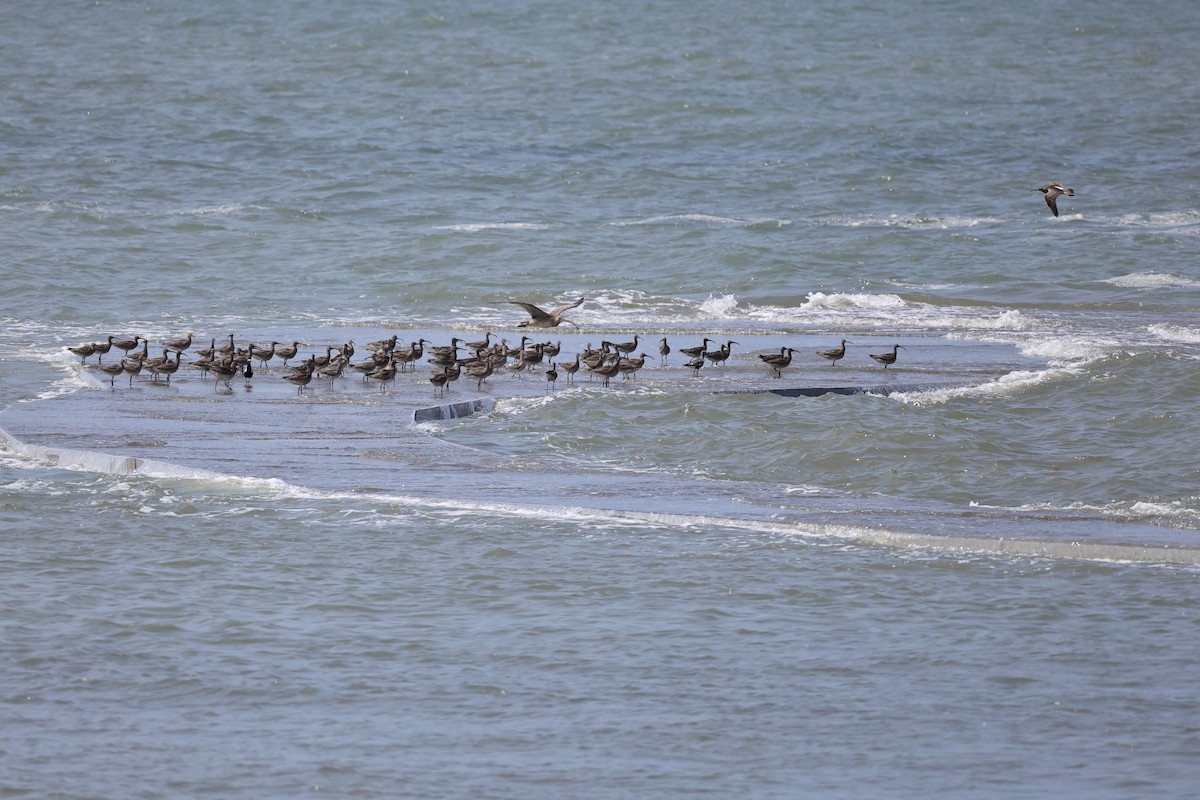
[981, 589]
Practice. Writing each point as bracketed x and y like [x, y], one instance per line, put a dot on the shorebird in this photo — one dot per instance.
[299, 380]
[482, 344]
[112, 371]
[442, 379]
[306, 367]
[125, 345]
[167, 367]
[571, 368]
[334, 369]
[203, 364]
[624, 348]
[664, 350]
[480, 372]
[778, 361]
[281, 352]
[888, 358]
[323, 361]
[179, 344]
[83, 351]
[224, 371]
[384, 345]
[1053, 191]
[606, 369]
[551, 376]
[371, 364]
[132, 366]
[100, 348]
[692, 352]
[409, 356]
[694, 365]
[209, 351]
[542, 319]
[628, 366]
[264, 354]
[534, 354]
[834, 354]
[384, 375]
[446, 351]
[720, 355]
[150, 363]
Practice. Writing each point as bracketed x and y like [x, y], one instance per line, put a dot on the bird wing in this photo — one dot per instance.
[1050, 202]
[533, 310]
[558, 311]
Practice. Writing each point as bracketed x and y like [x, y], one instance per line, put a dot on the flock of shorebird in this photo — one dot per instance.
[480, 359]
[384, 359]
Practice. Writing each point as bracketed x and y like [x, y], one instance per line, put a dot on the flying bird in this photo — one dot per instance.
[1052, 191]
[543, 319]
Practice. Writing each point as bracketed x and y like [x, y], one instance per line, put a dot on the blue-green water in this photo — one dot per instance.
[786, 173]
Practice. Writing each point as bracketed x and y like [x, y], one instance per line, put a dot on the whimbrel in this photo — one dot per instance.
[112, 371]
[664, 350]
[778, 361]
[125, 345]
[132, 366]
[100, 348]
[83, 351]
[299, 380]
[888, 358]
[692, 352]
[720, 355]
[571, 368]
[625, 348]
[834, 354]
[264, 354]
[606, 369]
[224, 371]
[384, 375]
[439, 381]
[543, 319]
[167, 367]
[282, 352]
[628, 366]
[179, 344]
[1053, 191]
[480, 372]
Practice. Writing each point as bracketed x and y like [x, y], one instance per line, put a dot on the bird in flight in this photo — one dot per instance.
[544, 319]
[1053, 191]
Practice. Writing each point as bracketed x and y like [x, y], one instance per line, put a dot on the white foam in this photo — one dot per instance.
[1152, 280]
[1068, 350]
[275, 489]
[206, 211]
[719, 307]
[476, 227]
[1011, 384]
[910, 222]
[1182, 222]
[706, 220]
[1175, 333]
[1175, 512]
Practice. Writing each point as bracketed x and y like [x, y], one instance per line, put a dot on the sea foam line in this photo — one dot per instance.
[1026, 548]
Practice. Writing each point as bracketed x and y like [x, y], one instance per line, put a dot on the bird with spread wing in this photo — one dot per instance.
[546, 319]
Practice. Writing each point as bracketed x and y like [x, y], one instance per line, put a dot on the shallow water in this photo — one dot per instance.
[782, 175]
